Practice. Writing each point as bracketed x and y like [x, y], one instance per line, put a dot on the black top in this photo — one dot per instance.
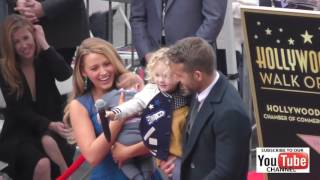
[25, 117]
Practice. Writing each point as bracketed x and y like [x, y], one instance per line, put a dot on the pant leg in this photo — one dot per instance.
[177, 169]
[147, 166]
[131, 170]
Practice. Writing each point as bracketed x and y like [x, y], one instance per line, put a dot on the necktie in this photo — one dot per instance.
[193, 115]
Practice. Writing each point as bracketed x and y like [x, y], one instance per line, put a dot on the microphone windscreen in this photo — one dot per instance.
[100, 104]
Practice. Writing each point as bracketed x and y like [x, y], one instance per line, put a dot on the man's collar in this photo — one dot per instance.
[203, 95]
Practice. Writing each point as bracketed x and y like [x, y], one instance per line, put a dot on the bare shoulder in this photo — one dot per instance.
[76, 107]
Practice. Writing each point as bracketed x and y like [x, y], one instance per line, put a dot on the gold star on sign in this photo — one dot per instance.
[268, 31]
[307, 37]
[291, 41]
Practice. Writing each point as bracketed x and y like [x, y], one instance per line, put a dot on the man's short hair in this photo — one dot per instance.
[195, 53]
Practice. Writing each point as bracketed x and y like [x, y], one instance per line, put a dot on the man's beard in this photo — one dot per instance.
[183, 90]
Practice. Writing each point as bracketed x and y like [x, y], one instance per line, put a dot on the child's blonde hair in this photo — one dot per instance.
[156, 57]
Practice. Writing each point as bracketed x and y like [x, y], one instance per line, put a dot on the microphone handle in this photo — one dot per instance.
[105, 124]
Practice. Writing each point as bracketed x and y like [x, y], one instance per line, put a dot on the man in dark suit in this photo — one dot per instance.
[216, 143]
[162, 22]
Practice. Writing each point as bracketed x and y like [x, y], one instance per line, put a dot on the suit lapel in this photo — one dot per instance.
[169, 4]
[207, 109]
[201, 119]
[158, 7]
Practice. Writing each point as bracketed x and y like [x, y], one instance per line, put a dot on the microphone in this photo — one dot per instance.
[100, 106]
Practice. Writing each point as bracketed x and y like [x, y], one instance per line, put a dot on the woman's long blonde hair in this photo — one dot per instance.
[88, 46]
[9, 64]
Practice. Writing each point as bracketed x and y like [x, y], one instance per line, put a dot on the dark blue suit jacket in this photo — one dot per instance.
[184, 18]
[218, 146]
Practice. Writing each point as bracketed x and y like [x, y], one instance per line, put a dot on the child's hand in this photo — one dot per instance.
[110, 115]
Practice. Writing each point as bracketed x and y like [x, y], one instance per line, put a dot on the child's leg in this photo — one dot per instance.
[53, 151]
[147, 166]
[131, 170]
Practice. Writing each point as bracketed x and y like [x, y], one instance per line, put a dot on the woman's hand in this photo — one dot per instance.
[120, 153]
[61, 129]
[40, 37]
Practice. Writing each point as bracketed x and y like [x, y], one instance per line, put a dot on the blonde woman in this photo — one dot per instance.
[33, 128]
[97, 67]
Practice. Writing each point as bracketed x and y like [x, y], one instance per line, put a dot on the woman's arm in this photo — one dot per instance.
[55, 64]
[121, 153]
[93, 148]
[50, 58]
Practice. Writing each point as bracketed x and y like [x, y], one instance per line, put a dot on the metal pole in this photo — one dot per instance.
[125, 26]
[110, 23]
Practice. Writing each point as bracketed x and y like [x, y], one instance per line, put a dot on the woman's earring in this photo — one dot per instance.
[85, 83]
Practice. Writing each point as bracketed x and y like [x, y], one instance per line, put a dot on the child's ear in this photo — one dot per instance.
[138, 87]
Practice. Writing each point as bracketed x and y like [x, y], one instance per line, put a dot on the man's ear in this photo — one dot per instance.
[197, 75]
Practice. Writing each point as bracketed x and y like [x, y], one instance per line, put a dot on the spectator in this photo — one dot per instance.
[216, 144]
[65, 23]
[32, 129]
[163, 22]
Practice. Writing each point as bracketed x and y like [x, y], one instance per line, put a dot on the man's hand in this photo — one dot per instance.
[24, 7]
[37, 8]
[168, 166]
[147, 57]
[31, 9]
